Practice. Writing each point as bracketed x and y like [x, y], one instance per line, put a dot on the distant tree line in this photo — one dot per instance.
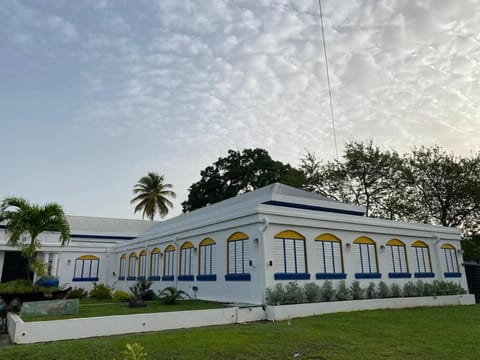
[427, 185]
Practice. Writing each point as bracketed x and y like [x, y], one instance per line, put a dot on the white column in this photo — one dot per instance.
[54, 264]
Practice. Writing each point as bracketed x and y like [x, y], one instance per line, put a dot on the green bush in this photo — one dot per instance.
[119, 296]
[396, 290]
[101, 291]
[77, 293]
[170, 295]
[312, 292]
[275, 296]
[370, 292]
[342, 292]
[356, 292]
[294, 293]
[410, 289]
[328, 292]
[447, 288]
[383, 290]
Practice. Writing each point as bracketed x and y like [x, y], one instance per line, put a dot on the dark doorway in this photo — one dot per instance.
[472, 270]
[14, 266]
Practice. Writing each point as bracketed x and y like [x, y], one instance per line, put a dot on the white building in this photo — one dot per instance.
[233, 250]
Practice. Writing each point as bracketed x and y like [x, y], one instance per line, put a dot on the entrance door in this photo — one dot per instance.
[14, 266]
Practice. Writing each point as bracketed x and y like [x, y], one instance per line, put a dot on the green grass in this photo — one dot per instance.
[424, 333]
[94, 307]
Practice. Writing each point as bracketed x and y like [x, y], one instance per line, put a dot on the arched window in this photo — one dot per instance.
[123, 267]
[237, 257]
[142, 265]
[186, 262]
[206, 262]
[155, 256]
[169, 263]
[450, 261]
[423, 262]
[290, 256]
[328, 257]
[132, 266]
[398, 266]
[86, 268]
[366, 251]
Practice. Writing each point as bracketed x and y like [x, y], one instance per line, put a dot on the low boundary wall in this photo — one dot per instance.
[21, 332]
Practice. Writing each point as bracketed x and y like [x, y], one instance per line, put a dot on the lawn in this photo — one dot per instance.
[94, 307]
[423, 333]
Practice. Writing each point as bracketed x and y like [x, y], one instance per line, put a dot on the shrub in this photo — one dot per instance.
[342, 292]
[275, 296]
[170, 295]
[396, 290]
[101, 291]
[312, 292]
[356, 291]
[410, 289]
[77, 293]
[447, 288]
[134, 351]
[121, 296]
[383, 290]
[294, 293]
[429, 289]
[420, 288]
[328, 292]
[370, 292]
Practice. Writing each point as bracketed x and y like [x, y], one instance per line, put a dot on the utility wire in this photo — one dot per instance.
[328, 80]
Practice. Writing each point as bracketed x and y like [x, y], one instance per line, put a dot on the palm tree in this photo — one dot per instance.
[22, 218]
[152, 195]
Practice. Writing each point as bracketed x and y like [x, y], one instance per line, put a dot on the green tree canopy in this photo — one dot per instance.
[152, 196]
[24, 219]
[238, 173]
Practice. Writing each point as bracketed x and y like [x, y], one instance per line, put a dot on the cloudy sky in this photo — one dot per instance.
[94, 94]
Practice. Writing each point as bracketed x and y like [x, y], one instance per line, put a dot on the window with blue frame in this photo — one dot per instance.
[366, 252]
[132, 266]
[122, 271]
[328, 257]
[155, 257]
[423, 262]
[398, 265]
[450, 261]
[186, 262]
[142, 265]
[169, 263]
[207, 260]
[290, 256]
[237, 257]
[86, 268]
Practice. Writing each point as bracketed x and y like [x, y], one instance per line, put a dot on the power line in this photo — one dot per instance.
[328, 80]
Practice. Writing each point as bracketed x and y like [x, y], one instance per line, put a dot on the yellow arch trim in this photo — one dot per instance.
[156, 251]
[419, 244]
[447, 246]
[327, 237]
[124, 256]
[289, 234]
[186, 245]
[133, 254]
[395, 242]
[87, 257]
[364, 240]
[143, 253]
[170, 248]
[207, 241]
[238, 236]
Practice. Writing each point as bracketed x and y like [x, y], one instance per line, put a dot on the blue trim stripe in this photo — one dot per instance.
[131, 278]
[237, 277]
[314, 208]
[154, 278]
[291, 276]
[330, 276]
[424, 275]
[206, 277]
[186, 278]
[452, 274]
[399, 275]
[368, 276]
[168, 278]
[85, 279]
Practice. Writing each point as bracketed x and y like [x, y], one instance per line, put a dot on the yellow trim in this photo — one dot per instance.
[289, 234]
[395, 242]
[238, 236]
[170, 248]
[124, 256]
[133, 254]
[153, 252]
[447, 246]
[420, 244]
[364, 240]
[156, 251]
[327, 237]
[143, 253]
[87, 257]
[207, 241]
[186, 245]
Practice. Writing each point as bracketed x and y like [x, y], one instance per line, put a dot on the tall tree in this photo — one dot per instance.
[24, 219]
[152, 196]
[238, 173]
